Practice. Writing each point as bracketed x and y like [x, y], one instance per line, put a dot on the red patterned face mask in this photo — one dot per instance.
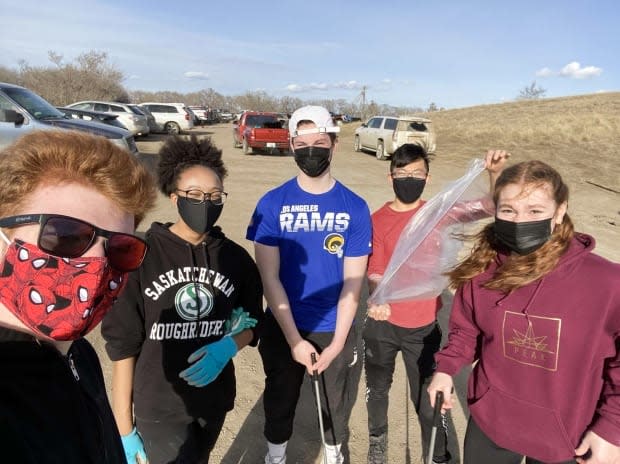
[60, 298]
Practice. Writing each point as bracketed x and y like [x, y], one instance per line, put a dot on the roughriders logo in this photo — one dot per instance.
[193, 302]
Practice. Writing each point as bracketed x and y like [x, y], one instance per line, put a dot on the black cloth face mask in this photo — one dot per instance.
[523, 237]
[313, 161]
[199, 217]
[409, 189]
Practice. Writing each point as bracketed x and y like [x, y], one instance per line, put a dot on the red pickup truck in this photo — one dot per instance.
[257, 130]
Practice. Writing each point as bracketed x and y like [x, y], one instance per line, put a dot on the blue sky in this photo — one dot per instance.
[406, 53]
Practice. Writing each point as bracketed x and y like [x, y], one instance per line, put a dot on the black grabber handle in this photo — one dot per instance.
[315, 375]
[437, 411]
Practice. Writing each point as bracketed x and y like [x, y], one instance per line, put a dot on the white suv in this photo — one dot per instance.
[384, 134]
[172, 118]
[135, 123]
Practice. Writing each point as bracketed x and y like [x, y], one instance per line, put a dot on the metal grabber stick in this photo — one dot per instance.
[315, 380]
[436, 423]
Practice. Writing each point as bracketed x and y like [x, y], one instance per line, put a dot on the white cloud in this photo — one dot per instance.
[544, 72]
[575, 71]
[323, 86]
[347, 85]
[294, 88]
[199, 75]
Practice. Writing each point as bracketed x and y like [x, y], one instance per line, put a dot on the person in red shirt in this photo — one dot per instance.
[539, 312]
[409, 327]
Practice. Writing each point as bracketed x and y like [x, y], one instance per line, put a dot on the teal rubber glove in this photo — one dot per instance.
[208, 362]
[238, 322]
[134, 447]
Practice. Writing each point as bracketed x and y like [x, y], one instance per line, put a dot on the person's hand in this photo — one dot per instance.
[594, 449]
[238, 322]
[444, 383]
[495, 161]
[208, 362]
[302, 352]
[324, 359]
[379, 312]
[134, 448]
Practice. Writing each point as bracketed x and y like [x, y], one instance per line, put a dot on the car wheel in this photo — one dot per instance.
[172, 128]
[247, 150]
[381, 151]
[356, 144]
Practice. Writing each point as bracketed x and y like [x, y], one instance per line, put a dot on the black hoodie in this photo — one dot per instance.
[54, 408]
[178, 301]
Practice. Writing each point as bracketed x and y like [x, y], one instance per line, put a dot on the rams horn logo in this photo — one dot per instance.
[333, 244]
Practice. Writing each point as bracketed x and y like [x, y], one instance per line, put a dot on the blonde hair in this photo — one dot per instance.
[518, 271]
[55, 156]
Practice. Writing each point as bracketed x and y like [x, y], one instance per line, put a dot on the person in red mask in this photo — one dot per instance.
[69, 204]
[539, 312]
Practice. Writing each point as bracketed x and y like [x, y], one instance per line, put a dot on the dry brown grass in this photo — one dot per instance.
[580, 136]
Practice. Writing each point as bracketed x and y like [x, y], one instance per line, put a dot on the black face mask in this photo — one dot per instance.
[523, 237]
[313, 161]
[409, 189]
[201, 217]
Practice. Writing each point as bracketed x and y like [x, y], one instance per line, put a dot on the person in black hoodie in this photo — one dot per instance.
[185, 314]
[69, 203]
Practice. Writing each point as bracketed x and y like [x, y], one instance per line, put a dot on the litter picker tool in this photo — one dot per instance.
[437, 421]
[315, 380]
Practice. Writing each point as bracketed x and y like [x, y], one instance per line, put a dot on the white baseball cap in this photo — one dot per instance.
[318, 115]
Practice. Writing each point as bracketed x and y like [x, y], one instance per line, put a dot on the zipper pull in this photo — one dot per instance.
[73, 369]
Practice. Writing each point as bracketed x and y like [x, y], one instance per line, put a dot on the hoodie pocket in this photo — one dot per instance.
[521, 426]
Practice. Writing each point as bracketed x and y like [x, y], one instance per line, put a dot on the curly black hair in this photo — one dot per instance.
[178, 154]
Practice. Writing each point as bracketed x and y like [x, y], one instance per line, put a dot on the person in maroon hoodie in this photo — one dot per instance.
[540, 313]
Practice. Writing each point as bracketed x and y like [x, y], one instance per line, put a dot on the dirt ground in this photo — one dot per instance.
[249, 178]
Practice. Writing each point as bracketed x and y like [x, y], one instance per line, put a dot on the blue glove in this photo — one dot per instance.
[209, 362]
[134, 447]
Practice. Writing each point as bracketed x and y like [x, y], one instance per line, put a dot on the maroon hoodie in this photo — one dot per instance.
[548, 364]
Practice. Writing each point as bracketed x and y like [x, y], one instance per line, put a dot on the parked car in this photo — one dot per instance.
[226, 116]
[134, 122]
[261, 131]
[22, 110]
[86, 115]
[384, 134]
[172, 118]
[201, 114]
[150, 119]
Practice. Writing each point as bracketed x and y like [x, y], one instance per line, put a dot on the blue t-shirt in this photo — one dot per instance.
[313, 233]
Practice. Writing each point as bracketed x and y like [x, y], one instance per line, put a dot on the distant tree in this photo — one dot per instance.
[90, 77]
[531, 92]
[289, 104]
[432, 107]
[8, 75]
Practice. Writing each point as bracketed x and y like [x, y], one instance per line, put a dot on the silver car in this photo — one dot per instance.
[384, 134]
[22, 110]
[135, 122]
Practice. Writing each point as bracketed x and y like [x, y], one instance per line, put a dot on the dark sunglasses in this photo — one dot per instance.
[68, 237]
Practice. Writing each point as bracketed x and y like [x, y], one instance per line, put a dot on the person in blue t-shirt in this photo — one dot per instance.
[312, 238]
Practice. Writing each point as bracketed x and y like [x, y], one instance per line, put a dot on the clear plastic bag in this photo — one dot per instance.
[429, 244]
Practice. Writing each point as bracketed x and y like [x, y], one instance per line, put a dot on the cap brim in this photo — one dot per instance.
[317, 130]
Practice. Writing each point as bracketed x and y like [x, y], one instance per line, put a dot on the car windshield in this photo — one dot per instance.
[35, 105]
[137, 110]
[262, 121]
[416, 126]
